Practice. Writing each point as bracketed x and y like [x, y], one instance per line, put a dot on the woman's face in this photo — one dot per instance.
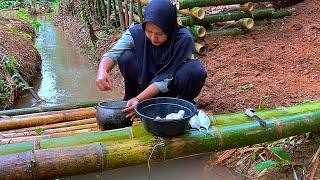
[155, 34]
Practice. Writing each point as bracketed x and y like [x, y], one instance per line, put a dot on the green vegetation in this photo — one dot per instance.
[280, 159]
[23, 15]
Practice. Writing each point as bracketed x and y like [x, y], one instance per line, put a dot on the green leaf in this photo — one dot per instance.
[39, 131]
[266, 164]
[281, 153]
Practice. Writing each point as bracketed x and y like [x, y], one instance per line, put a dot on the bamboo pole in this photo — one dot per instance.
[108, 12]
[140, 10]
[126, 15]
[195, 12]
[104, 12]
[228, 16]
[38, 138]
[14, 112]
[283, 12]
[49, 118]
[199, 48]
[110, 155]
[131, 11]
[51, 126]
[121, 15]
[227, 32]
[198, 31]
[184, 4]
[48, 131]
[138, 131]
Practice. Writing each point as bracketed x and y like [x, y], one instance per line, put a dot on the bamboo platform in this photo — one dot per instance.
[74, 146]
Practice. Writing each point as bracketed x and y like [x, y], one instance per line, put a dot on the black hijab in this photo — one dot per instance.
[160, 62]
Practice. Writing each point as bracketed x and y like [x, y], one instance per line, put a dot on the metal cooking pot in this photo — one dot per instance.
[110, 115]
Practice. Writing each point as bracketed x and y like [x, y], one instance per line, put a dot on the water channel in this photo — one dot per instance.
[68, 77]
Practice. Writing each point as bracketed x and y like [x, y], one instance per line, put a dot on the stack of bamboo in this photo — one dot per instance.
[46, 156]
[238, 19]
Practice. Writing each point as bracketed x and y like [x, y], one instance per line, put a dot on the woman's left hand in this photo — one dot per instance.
[129, 110]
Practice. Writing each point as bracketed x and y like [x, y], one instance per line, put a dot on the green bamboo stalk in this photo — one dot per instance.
[183, 4]
[59, 107]
[138, 130]
[240, 117]
[195, 12]
[198, 31]
[228, 16]
[283, 12]
[110, 155]
[227, 32]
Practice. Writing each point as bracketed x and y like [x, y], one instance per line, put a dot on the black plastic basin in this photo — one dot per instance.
[149, 109]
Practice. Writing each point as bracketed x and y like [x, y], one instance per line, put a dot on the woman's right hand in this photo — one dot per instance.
[103, 81]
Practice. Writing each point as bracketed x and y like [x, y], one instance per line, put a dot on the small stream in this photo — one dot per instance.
[68, 77]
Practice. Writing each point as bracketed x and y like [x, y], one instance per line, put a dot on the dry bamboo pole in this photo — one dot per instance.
[121, 14]
[104, 12]
[228, 16]
[198, 31]
[38, 138]
[131, 11]
[49, 118]
[199, 48]
[14, 112]
[108, 12]
[195, 12]
[184, 4]
[248, 6]
[110, 155]
[49, 131]
[136, 18]
[115, 13]
[138, 131]
[51, 126]
[140, 10]
[126, 15]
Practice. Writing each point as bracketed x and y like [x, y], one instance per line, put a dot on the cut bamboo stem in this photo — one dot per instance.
[110, 155]
[244, 23]
[195, 12]
[49, 131]
[131, 12]
[49, 118]
[198, 31]
[140, 10]
[108, 12]
[14, 112]
[115, 13]
[23, 139]
[184, 4]
[199, 48]
[228, 16]
[52, 126]
[126, 15]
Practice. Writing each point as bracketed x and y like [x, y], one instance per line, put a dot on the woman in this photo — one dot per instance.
[154, 58]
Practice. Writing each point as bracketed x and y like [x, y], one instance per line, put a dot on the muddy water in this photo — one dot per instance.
[66, 75]
[191, 168]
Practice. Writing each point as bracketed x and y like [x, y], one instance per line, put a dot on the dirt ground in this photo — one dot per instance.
[13, 42]
[275, 65]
